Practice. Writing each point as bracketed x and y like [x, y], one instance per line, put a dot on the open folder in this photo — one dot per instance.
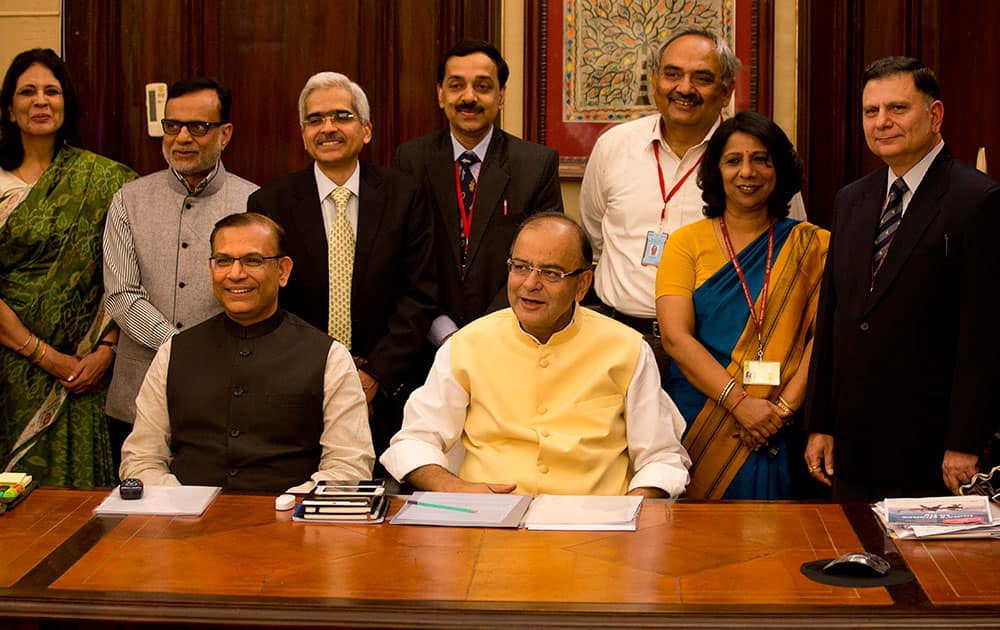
[461, 509]
[547, 511]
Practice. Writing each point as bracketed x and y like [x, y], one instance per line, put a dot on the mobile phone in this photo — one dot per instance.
[360, 488]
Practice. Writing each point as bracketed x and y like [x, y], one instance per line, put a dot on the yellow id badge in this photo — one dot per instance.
[762, 373]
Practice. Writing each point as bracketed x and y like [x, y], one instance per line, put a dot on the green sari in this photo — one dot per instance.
[50, 276]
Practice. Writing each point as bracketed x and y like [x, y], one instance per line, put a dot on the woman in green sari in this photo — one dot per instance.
[56, 342]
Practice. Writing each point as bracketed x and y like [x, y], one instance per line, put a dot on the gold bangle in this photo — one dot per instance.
[725, 390]
[40, 354]
[783, 405]
[26, 342]
[38, 343]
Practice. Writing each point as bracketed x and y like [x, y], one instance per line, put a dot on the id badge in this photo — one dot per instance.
[762, 373]
[654, 248]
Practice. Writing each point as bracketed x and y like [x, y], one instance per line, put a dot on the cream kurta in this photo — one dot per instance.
[581, 414]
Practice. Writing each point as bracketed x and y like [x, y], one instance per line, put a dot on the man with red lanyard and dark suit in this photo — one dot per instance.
[641, 179]
[481, 183]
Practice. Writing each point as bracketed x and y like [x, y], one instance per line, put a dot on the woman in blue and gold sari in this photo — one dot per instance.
[56, 342]
[736, 303]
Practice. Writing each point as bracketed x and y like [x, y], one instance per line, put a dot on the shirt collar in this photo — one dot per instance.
[202, 185]
[325, 185]
[480, 149]
[916, 174]
[656, 136]
[552, 337]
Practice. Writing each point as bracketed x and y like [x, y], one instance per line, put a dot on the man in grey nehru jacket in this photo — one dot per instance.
[155, 240]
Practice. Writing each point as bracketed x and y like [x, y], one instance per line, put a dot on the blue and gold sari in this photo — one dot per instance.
[723, 466]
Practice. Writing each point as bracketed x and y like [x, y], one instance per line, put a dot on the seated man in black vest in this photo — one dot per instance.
[253, 398]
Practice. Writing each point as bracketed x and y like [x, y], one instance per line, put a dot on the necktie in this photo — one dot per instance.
[889, 222]
[341, 267]
[466, 161]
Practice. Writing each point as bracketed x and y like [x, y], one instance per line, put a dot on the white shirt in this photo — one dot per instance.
[621, 201]
[913, 177]
[434, 419]
[326, 186]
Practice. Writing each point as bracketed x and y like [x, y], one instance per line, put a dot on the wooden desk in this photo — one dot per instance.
[704, 564]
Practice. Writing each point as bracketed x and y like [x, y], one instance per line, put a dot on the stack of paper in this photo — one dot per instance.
[161, 500]
[940, 517]
[583, 513]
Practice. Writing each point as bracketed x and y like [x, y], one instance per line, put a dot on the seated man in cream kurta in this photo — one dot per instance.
[545, 397]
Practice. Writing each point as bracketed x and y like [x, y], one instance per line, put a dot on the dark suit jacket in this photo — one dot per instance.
[903, 372]
[393, 285]
[522, 175]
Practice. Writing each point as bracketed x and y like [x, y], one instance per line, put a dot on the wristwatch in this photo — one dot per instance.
[110, 344]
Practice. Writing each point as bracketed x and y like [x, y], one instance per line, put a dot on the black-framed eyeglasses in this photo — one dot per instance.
[251, 261]
[173, 127]
[523, 268]
[337, 116]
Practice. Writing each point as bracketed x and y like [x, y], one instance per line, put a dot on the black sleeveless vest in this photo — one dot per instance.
[246, 403]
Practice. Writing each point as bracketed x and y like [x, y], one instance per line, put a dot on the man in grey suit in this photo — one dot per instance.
[156, 240]
[481, 183]
[901, 376]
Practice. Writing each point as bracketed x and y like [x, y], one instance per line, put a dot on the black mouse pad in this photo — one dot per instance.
[814, 571]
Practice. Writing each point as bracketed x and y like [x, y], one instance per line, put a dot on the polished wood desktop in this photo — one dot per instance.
[705, 564]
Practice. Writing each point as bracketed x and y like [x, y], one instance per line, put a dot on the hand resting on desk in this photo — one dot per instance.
[438, 479]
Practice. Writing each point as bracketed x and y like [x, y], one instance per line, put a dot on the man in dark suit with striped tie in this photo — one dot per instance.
[900, 400]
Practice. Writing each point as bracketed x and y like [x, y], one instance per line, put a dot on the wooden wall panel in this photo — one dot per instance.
[966, 54]
[840, 37]
[264, 52]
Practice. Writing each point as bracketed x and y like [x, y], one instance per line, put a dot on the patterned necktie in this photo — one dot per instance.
[341, 267]
[889, 222]
[466, 161]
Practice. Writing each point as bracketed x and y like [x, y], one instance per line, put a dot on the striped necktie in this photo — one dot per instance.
[341, 267]
[889, 223]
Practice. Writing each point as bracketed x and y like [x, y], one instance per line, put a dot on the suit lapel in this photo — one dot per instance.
[371, 207]
[493, 178]
[307, 224]
[921, 211]
[441, 171]
[864, 217]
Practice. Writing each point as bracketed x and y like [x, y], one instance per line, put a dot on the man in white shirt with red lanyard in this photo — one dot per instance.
[641, 179]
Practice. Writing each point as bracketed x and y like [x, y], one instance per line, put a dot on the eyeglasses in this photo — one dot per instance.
[522, 268]
[173, 127]
[250, 261]
[337, 116]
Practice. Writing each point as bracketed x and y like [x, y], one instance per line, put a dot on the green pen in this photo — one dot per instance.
[440, 506]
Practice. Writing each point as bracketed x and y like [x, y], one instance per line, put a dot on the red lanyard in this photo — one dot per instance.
[663, 187]
[466, 214]
[758, 321]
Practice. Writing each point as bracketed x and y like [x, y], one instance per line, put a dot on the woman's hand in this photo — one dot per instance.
[758, 419]
[59, 365]
[89, 373]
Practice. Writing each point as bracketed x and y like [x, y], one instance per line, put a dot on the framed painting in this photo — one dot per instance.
[588, 63]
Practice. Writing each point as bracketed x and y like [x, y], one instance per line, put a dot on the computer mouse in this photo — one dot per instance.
[284, 502]
[858, 563]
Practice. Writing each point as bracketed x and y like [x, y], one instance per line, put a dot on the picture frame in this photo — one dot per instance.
[543, 60]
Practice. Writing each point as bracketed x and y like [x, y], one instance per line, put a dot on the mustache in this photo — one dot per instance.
[333, 135]
[469, 107]
[694, 98]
